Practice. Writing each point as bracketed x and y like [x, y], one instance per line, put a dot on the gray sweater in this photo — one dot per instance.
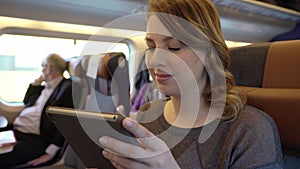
[250, 141]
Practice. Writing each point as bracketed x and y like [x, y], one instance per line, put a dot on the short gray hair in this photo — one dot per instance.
[58, 63]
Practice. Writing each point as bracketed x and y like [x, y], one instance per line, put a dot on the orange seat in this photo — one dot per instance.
[269, 74]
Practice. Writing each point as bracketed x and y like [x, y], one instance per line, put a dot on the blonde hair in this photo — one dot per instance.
[205, 33]
[58, 63]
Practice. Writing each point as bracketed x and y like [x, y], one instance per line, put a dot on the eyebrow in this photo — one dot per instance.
[165, 39]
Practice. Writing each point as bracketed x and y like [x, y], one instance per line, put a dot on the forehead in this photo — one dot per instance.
[155, 26]
[45, 60]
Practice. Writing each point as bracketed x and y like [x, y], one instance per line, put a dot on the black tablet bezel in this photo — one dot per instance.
[82, 130]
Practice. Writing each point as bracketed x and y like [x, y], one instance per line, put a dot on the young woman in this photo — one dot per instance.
[204, 123]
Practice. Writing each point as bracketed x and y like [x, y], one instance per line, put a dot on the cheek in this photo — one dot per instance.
[197, 68]
[45, 71]
[195, 61]
[194, 67]
[151, 71]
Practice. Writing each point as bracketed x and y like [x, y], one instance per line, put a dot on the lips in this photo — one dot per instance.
[162, 77]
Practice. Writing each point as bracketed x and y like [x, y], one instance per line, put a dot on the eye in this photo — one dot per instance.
[174, 48]
[150, 45]
[150, 48]
[175, 45]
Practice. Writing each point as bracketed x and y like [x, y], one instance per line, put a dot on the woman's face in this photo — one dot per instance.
[172, 64]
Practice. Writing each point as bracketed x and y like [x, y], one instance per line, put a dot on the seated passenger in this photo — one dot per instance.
[38, 140]
[205, 122]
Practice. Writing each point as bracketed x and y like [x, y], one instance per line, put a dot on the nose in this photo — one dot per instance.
[155, 57]
[43, 69]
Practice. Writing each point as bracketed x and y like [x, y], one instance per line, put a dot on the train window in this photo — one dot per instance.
[21, 57]
[231, 44]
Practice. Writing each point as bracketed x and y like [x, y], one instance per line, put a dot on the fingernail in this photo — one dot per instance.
[103, 140]
[128, 123]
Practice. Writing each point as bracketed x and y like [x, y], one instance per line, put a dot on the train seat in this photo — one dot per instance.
[101, 86]
[94, 89]
[269, 74]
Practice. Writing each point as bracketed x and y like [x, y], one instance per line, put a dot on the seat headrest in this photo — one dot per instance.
[282, 68]
[109, 63]
[72, 65]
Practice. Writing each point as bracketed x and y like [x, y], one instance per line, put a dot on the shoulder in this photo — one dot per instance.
[254, 132]
[253, 118]
[253, 127]
[255, 123]
[66, 82]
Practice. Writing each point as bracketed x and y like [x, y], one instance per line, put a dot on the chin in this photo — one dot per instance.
[166, 90]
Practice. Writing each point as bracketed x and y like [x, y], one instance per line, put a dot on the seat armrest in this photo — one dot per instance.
[10, 110]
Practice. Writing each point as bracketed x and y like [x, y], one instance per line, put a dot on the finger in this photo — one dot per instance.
[33, 162]
[121, 148]
[122, 162]
[128, 150]
[42, 159]
[136, 129]
[144, 135]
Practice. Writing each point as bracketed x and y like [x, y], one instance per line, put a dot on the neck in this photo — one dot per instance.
[190, 113]
[52, 77]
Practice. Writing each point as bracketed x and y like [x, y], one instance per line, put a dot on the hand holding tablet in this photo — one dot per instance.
[153, 153]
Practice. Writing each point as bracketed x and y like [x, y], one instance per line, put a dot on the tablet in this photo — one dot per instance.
[82, 130]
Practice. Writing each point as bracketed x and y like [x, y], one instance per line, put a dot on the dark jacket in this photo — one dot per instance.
[62, 97]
